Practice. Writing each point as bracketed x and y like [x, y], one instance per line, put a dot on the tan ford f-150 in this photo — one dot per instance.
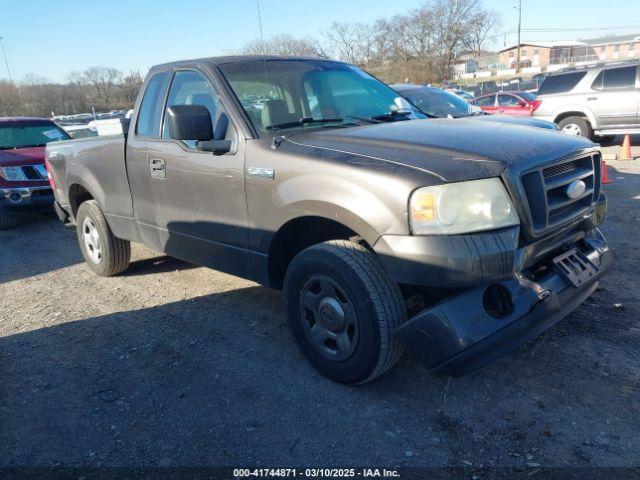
[384, 228]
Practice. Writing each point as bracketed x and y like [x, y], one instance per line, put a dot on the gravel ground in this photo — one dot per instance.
[175, 365]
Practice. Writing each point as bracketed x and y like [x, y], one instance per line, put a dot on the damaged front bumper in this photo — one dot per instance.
[478, 325]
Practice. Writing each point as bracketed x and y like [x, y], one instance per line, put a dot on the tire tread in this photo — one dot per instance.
[117, 255]
[385, 295]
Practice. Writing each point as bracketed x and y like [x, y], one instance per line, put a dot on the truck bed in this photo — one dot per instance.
[101, 164]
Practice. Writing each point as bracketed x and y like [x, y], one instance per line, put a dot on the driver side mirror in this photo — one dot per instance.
[193, 122]
[189, 122]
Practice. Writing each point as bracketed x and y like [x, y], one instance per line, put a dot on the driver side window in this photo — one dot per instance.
[191, 88]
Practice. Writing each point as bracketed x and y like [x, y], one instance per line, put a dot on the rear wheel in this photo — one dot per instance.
[342, 310]
[105, 254]
[578, 126]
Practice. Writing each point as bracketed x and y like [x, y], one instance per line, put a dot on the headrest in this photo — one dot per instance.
[275, 112]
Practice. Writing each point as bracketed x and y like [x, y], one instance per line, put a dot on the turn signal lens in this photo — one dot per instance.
[423, 207]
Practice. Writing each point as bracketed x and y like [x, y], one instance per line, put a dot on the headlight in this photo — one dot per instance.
[12, 174]
[461, 208]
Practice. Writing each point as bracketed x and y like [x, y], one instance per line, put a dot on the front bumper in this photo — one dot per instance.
[459, 335]
[24, 197]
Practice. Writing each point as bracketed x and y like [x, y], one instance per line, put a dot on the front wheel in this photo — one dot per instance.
[342, 310]
[105, 254]
[578, 126]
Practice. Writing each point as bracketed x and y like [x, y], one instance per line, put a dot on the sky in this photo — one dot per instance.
[52, 38]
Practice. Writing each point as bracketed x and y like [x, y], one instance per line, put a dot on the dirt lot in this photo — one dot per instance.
[174, 365]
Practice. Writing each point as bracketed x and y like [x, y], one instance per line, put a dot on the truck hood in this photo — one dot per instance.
[22, 156]
[452, 150]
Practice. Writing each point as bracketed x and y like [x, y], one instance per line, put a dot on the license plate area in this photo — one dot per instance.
[575, 267]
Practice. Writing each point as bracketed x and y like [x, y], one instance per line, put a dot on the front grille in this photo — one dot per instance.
[35, 172]
[546, 189]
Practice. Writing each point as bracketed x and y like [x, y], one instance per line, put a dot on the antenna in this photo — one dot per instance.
[260, 23]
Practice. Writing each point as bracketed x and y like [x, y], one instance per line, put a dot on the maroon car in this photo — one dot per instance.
[24, 182]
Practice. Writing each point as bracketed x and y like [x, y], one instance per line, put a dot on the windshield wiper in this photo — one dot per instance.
[398, 115]
[303, 121]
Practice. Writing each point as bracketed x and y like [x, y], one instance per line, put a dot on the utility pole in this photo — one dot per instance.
[6, 62]
[519, 7]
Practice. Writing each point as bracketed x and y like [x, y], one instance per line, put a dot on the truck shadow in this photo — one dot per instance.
[217, 380]
[160, 264]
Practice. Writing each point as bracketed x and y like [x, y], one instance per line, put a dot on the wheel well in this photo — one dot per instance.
[77, 195]
[298, 234]
[564, 115]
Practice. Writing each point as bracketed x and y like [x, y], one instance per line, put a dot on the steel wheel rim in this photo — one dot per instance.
[572, 129]
[92, 243]
[328, 318]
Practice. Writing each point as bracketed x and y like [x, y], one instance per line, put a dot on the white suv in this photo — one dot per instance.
[594, 102]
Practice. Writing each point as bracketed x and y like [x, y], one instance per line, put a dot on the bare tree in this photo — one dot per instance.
[481, 26]
[352, 42]
[285, 45]
[103, 82]
[130, 86]
[451, 21]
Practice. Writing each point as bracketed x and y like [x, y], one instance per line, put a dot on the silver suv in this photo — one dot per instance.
[595, 101]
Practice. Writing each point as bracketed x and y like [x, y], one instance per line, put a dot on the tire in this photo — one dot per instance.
[342, 310]
[576, 126]
[105, 254]
[10, 219]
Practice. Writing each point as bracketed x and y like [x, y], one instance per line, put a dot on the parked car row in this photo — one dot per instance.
[85, 118]
[438, 103]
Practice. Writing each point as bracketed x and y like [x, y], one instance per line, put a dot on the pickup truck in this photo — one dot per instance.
[24, 182]
[460, 240]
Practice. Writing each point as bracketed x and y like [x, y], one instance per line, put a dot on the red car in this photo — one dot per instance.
[507, 103]
[24, 182]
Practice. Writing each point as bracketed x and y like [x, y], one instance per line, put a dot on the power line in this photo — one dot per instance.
[585, 29]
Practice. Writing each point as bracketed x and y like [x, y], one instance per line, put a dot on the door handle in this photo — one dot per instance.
[157, 168]
[500, 110]
[592, 98]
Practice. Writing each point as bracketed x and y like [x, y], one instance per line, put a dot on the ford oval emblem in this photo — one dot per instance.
[576, 189]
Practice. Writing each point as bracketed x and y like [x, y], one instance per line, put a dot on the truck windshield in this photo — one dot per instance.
[286, 94]
[29, 134]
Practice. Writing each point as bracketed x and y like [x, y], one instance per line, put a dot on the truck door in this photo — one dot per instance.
[199, 198]
[147, 126]
[614, 98]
